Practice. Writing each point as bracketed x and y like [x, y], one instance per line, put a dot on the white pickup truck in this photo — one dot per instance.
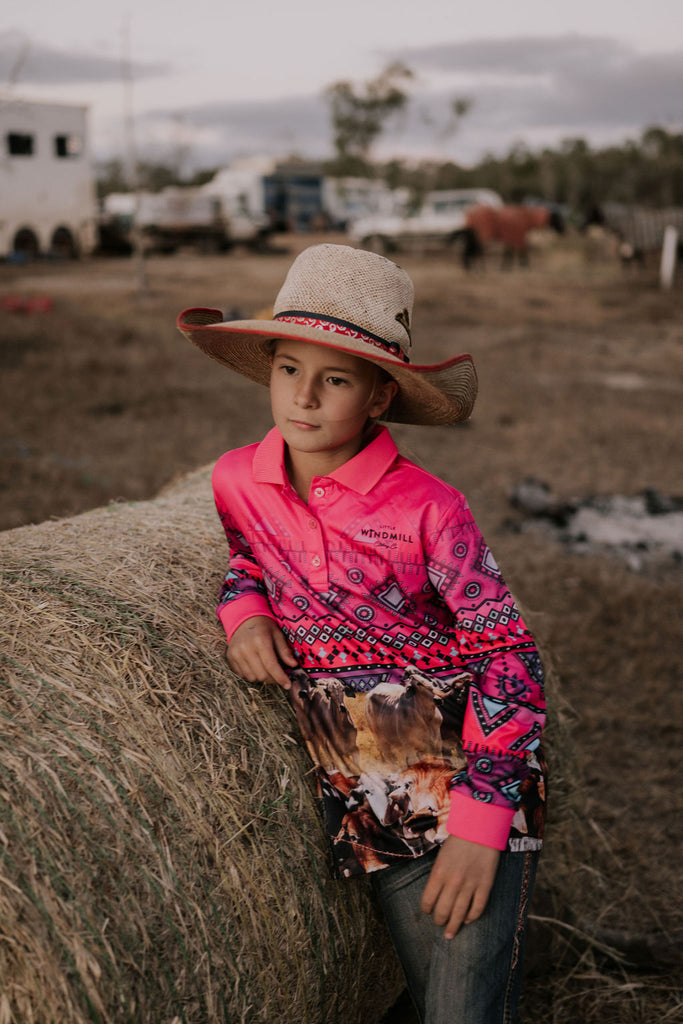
[439, 222]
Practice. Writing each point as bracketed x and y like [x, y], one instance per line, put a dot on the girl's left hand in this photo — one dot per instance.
[459, 883]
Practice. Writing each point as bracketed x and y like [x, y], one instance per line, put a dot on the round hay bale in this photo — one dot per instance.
[161, 854]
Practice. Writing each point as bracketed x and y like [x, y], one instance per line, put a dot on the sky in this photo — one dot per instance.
[210, 81]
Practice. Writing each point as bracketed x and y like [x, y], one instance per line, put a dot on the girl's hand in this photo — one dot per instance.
[459, 884]
[257, 651]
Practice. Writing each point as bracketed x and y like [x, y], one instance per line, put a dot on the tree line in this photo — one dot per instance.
[647, 171]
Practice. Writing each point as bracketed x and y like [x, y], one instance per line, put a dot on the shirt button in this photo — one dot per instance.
[319, 492]
[315, 561]
[312, 524]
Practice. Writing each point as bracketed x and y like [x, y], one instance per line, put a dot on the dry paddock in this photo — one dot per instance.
[104, 404]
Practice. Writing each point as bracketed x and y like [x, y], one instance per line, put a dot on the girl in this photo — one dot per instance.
[361, 584]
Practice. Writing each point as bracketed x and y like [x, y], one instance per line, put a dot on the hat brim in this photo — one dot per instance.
[428, 395]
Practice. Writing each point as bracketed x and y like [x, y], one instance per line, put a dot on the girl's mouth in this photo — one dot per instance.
[302, 425]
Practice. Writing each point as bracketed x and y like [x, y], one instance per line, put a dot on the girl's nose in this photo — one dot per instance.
[305, 395]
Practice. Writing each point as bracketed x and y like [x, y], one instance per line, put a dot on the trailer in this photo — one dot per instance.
[47, 185]
[176, 216]
[213, 217]
[240, 190]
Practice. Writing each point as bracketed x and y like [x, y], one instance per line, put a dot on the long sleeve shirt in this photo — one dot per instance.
[420, 692]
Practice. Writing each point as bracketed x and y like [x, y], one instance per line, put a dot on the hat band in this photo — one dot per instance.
[303, 319]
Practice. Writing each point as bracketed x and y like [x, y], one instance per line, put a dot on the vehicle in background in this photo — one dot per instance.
[349, 199]
[165, 221]
[261, 192]
[240, 191]
[176, 217]
[438, 222]
[47, 185]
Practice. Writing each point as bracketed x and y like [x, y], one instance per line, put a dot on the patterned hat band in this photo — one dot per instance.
[330, 323]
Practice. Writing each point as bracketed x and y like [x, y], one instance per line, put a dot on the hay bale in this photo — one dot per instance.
[161, 855]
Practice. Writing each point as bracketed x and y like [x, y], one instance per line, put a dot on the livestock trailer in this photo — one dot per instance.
[47, 185]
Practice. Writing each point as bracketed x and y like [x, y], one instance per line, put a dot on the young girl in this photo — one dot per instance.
[361, 584]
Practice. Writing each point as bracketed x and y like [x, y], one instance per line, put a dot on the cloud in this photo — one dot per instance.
[287, 125]
[23, 61]
[540, 89]
[572, 83]
[520, 55]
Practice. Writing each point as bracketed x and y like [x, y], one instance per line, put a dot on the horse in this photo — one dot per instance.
[509, 226]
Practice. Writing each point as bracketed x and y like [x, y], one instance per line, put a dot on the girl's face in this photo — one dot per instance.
[321, 399]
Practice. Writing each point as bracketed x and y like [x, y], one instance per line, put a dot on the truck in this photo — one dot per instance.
[166, 220]
[47, 184]
[213, 217]
[240, 190]
[439, 221]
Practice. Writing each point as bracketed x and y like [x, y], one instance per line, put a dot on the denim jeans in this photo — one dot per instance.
[475, 977]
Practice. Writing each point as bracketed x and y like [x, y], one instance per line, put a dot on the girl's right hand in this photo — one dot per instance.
[257, 651]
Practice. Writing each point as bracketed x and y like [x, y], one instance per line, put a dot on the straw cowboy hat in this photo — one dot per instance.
[354, 301]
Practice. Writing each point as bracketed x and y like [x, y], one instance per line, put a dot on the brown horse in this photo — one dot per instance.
[508, 226]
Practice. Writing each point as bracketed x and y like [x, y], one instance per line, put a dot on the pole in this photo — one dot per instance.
[669, 251]
[133, 171]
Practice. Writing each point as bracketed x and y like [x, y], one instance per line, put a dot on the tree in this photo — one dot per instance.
[111, 177]
[360, 113]
[153, 175]
[663, 165]
[437, 174]
[458, 108]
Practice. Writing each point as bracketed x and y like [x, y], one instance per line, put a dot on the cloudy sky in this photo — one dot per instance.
[217, 79]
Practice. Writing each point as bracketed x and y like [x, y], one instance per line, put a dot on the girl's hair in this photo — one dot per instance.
[384, 375]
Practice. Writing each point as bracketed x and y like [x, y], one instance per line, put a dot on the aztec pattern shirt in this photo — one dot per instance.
[420, 690]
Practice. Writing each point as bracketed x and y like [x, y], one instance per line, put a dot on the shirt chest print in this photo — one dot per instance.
[383, 536]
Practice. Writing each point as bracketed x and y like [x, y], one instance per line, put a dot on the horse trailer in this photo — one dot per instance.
[47, 186]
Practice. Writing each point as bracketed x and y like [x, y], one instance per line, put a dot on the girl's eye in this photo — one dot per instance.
[337, 381]
[289, 370]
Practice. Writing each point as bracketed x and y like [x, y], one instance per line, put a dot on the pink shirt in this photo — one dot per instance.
[422, 684]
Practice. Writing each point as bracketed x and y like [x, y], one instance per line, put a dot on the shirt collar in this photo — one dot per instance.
[269, 459]
[366, 469]
[360, 473]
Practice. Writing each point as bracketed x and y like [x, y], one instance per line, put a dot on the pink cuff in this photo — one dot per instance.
[487, 824]
[238, 611]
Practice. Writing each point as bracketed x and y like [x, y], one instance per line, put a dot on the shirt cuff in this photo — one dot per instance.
[233, 614]
[487, 824]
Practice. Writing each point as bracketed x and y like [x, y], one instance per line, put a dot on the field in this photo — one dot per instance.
[580, 364]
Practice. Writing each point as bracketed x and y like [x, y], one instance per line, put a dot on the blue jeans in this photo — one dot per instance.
[475, 977]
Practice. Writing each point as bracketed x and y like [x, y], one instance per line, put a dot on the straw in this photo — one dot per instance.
[161, 855]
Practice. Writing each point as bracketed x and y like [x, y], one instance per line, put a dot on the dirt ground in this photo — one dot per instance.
[580, 365]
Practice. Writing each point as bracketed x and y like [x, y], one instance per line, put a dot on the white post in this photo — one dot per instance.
[669, 250]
